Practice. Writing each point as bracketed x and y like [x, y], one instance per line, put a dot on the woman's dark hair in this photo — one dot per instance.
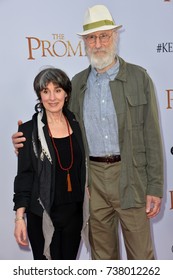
[55, 76]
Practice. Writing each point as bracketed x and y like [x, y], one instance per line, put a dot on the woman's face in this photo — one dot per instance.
[53, 98]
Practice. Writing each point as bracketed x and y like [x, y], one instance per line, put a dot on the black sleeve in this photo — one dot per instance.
[23, 181]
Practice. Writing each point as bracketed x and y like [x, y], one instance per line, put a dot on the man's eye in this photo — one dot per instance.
[103, 35]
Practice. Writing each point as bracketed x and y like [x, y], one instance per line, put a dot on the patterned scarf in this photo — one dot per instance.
[43, 155]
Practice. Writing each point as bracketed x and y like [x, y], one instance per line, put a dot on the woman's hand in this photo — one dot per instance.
[20, 232]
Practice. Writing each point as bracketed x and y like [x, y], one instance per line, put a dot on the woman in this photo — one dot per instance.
[50, 180]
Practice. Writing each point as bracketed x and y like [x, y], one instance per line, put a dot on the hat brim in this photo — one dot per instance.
[101, 28]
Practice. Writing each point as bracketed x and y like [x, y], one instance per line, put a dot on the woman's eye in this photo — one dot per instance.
[58, 90]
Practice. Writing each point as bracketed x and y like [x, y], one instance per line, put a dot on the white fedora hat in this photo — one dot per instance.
[98, 18]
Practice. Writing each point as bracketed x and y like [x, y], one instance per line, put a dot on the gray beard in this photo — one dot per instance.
[101, 63]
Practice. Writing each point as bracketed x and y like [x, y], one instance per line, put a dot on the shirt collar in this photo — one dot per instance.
[110, 73]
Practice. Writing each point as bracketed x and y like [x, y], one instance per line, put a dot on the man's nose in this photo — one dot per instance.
[98, 42]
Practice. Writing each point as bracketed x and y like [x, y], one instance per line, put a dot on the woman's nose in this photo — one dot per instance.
[52, 96]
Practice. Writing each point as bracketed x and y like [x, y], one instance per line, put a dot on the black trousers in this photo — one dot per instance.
[67, 220]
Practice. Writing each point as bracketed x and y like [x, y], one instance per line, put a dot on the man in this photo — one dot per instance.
[115, 104]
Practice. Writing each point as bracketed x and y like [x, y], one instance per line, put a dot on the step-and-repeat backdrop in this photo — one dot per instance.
[34, 34]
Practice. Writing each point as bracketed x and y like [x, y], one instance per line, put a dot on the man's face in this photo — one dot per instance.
[101, 48]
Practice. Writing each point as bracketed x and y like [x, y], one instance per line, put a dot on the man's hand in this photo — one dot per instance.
[18, 139]
[153, 205]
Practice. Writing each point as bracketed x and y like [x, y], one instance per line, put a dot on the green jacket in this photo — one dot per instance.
[139, 132]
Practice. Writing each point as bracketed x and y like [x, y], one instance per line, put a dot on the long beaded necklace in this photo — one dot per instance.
[69, 186]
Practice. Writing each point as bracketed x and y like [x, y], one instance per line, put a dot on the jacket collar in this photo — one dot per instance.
[122, 74]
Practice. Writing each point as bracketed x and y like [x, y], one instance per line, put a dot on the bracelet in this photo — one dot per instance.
[19, 218]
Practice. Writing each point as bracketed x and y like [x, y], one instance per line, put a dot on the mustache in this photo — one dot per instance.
[100, 50]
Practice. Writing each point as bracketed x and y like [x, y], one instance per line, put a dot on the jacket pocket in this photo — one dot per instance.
[136, 119]
[136, 105]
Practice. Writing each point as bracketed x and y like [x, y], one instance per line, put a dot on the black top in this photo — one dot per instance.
[61, 193]
[27, 180]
